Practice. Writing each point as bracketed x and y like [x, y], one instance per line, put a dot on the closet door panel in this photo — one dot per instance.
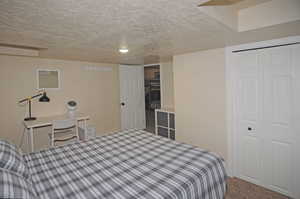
[278, 98]
[249, 102]
[296, 119]
[250, 159]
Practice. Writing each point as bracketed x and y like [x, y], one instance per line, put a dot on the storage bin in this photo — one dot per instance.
[91, 133]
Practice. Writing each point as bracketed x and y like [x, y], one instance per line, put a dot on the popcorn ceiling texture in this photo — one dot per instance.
[93, 30]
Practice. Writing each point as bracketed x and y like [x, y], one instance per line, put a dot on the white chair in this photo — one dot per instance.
[63, 130]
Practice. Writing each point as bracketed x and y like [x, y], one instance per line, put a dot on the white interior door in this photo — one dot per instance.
[266, 90]
[249, 116]
[132, 97]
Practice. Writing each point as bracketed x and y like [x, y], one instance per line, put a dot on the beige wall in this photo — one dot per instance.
[97, 94]
[227, 15]
[199, 82]
[269, 13]
[167, 85]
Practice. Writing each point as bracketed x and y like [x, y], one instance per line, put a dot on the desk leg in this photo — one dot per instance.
[28, 140]
[85, 126]
[31, 139]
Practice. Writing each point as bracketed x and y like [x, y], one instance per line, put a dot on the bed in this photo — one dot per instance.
[130, 164]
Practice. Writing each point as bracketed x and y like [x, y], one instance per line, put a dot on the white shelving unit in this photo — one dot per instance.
[165, 123]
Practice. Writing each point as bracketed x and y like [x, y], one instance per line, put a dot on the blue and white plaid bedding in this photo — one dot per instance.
[127, 165]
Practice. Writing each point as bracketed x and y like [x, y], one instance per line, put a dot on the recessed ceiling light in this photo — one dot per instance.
[123, 50]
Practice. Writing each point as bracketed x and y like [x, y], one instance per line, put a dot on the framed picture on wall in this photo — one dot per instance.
[48, 79]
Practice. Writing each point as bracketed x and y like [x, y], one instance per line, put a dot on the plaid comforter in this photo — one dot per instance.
[127, 165]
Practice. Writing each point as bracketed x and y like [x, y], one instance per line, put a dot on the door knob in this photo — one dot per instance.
[249, 129]
[122, 104]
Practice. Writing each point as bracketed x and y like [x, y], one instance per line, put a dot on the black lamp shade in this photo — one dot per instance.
[44, 98]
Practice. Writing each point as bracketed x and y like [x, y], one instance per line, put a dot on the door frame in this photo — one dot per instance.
[230, 100]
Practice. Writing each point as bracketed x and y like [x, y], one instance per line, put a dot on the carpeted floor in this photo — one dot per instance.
[240, 189]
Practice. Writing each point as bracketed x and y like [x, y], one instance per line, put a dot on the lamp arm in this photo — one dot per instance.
[29, 98]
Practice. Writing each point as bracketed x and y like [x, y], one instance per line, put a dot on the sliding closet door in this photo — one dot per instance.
[266, 120]
[279, 81]
[249, 116]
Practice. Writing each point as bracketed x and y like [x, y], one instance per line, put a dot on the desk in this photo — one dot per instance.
[47, 121]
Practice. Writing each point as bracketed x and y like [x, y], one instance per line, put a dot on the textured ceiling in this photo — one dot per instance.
[94, 30]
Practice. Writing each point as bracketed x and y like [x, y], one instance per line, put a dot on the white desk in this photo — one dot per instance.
[47, 121]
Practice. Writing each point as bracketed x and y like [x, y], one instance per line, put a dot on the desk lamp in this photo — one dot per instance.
[43, 98]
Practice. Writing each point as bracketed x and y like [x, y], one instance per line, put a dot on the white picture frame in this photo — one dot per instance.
[52, 85]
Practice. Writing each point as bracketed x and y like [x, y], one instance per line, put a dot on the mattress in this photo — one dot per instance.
[129, 164]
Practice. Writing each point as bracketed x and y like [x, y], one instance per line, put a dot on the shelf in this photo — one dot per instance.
[165, 123]
[164, 127]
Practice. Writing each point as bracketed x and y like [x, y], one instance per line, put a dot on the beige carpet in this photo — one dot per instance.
[240, 189]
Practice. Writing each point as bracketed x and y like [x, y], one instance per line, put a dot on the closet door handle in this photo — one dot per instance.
[249, 129]
[122, 104]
